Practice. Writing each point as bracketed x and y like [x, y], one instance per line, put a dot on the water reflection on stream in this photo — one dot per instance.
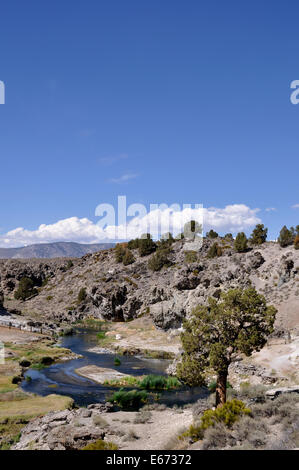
[63, 380]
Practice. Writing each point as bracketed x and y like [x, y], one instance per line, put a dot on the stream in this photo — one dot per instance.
[62, 379]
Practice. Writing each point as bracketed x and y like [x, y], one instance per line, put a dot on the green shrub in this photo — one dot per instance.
[146, 245]
[228, 237]
[191, 256]
[159, 260]
[82, 295]
[69, 264]
[259, 235]
[286, 237]
[119, 252]
[133, 244]
[226, 414]
[117, 361]
[240, 244]
[38, 366]
[129, 400]
[159, 382]
[214, 251]
[101, 334]
[101, 445]
[128, 258]
[212, 234]
[25, 289]
[167, 238]
[296, 242]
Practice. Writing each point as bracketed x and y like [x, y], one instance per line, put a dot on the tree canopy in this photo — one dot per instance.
[239, 322]
[240, 244]
[259, 235]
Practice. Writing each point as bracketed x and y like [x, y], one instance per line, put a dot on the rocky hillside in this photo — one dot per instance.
[52, 250]
[117, 292]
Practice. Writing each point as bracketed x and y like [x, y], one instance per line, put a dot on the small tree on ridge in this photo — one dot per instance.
[238, 323]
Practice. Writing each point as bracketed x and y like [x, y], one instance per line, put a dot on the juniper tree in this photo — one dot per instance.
[212, 234]
[228, 237]
[81, 295]
[119, 252]
[259, 235]
[240, 244]
[159, 259]
[128, 257]
[286, 237]
[215, 250]
[25, 289]
[239, 322]
[146, 245]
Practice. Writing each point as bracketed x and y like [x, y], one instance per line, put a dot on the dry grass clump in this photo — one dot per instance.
[143, 417]
[217, 436]
[176, 442]
[271, 425]
[98, 420]
[131, 435]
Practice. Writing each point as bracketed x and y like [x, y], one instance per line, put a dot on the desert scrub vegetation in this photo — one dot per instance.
[81, 295]
[191, 256]
[143, 416]
[129, 400]
[130, 436]
[225, 415]
[159, 260]
[212, 234]
[286, 236]
[259, 235]
[129, 281]
[214, 251]
[240, 244]
[100, 445]
[25, 289]
[98, 420]
[123, 254]
[271, 424]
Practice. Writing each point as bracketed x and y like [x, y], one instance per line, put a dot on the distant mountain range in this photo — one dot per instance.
[53, 250]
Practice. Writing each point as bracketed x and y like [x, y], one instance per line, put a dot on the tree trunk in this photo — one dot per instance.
[221, 388]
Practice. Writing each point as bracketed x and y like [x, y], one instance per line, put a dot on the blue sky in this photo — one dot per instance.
[161, 101]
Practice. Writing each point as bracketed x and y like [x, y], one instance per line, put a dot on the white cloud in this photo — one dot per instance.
[123, 178]
[232, 218]
[270, 209]
[295, 206]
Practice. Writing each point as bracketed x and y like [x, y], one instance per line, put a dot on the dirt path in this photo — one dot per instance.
[156, 434]
[16, 336]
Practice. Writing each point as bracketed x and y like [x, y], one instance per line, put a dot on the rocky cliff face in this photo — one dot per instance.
[120, 293]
